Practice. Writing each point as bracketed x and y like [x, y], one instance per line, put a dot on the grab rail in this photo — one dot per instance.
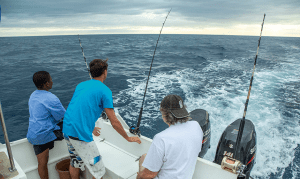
[12, 164]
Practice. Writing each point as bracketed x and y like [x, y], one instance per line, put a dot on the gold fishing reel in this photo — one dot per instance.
[233, 166]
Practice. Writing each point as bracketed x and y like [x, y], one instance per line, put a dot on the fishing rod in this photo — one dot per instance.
[84, 57]
[242, 123]
[103, 115]
[135, 130]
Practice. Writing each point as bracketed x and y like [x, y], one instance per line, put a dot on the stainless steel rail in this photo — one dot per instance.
[12, 164]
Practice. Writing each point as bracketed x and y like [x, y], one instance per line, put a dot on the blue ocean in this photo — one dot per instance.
[209, 72]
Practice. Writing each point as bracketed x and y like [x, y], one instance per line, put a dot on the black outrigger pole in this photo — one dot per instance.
[241, 128]
[84, 57]
[135, 130]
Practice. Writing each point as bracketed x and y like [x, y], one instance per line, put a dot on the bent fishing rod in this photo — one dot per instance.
[242, 123]
[84, 57]
[135, 130]
[103, 115]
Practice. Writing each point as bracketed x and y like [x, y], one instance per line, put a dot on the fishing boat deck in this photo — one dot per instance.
[5, 165]
[118, 155]
[118, 163]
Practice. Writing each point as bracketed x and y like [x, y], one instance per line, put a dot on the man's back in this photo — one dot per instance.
[88, 101]
[45, 112]
[174, 151]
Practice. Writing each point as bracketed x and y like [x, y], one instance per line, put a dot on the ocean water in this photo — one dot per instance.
[208, 72]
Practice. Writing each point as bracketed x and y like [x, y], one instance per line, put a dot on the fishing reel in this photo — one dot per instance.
[233, 166]
[104, 116]
[135, 130]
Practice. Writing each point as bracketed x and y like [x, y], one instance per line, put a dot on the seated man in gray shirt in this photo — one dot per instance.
[174, 151]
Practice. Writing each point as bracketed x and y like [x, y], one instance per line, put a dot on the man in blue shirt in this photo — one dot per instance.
[46, 111]
[89, 100]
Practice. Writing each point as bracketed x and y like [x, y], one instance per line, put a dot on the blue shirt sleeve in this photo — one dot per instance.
[107, 99]
[56, 109]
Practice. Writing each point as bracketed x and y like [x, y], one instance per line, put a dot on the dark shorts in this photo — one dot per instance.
[41, 148]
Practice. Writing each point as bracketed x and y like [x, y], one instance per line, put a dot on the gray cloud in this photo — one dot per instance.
[213, 9]
[185, 13]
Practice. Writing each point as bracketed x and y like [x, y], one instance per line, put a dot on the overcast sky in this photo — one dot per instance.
[221, 17]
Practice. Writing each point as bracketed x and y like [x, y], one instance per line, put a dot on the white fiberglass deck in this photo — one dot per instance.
[118, 163]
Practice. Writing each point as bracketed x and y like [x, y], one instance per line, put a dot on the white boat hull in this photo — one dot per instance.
[118, 155]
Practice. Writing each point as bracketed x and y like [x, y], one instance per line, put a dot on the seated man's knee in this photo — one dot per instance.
[142, 158]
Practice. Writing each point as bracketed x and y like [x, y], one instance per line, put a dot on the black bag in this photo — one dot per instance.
[58, 133]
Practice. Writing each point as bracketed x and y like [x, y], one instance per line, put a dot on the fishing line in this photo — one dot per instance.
[241, 128]
[135, 130]
[103, 115]
[84, 57]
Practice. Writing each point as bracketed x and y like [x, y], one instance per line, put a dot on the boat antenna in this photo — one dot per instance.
[84, 57]
[242, 123]
[135, 130]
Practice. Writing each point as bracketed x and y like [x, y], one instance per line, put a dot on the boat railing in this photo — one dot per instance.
[12, 164]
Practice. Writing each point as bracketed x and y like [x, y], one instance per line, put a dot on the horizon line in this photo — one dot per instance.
[146, 34]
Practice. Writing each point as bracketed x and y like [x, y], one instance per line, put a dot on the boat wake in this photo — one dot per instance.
[273, 106]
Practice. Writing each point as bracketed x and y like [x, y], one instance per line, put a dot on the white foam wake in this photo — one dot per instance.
[223, 97]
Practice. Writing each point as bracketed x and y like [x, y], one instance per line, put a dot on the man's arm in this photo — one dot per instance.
[56, 109]
[146, 174]
[118, 126]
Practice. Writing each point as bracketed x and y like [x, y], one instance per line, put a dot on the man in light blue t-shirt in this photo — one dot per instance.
[46, 111]
[89, 100]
